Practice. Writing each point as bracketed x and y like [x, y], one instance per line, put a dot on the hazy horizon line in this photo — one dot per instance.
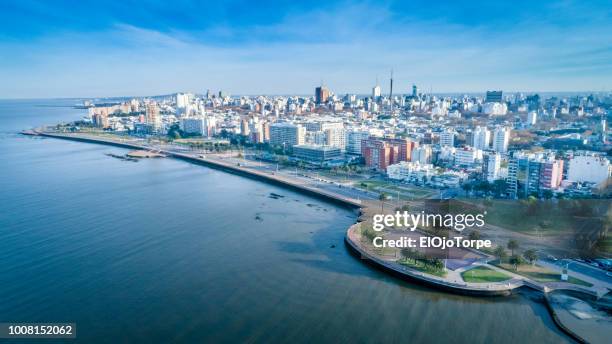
[307, 95]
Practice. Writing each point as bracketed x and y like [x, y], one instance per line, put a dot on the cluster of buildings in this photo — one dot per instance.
[534, 146]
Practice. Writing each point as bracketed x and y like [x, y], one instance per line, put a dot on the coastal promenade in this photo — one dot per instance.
[452, 282]
[210, 161]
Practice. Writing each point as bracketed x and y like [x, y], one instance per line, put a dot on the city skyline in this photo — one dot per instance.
[139, 49]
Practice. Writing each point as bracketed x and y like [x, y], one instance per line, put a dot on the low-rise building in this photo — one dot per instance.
[316, 154]
[589, 168]
[408, 171]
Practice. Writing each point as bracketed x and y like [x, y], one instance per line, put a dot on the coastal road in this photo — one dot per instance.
[582, 268]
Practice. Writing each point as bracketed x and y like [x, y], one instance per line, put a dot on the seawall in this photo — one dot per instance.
[408, 275]
[221, 165]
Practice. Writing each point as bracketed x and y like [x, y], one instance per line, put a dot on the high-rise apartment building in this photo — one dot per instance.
[152, 116]
[380, 153]
[421, 154]
[481, 138]
[376, 93]
[532, 118]
[531, 174]
[321, 94]
[447, 138]
[491, 166]
[193, 125]
[336, 137]
[501, 138]
[377, 153]
[467, 156]
[287, 134]
[354, 139]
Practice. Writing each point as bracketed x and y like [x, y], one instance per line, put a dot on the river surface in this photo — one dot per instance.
[161, 250]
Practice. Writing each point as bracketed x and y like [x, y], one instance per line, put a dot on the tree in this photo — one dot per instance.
[369, 233]
[531, 255]
[474, 235]
[500, 253]
[516, 260]
[438, 264]
[512, 245]
[531, 205]
[382, 197]
[499, 187]
[407, 253]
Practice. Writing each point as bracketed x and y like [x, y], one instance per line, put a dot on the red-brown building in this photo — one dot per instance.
[382, 152]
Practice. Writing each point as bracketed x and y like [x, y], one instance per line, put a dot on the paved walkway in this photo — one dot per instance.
[453, 277]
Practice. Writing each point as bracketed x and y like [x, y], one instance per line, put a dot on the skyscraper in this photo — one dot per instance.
[376, 92]
[321, 94]
[391, 90]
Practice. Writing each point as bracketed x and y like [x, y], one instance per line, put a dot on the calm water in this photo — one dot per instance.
[161, 250]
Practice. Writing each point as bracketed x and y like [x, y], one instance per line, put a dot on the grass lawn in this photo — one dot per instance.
[540, 274]
[483, 274]
[548, 219]
[428, 269]
[406, 191]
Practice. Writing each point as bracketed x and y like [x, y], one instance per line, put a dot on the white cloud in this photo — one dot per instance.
[347, 48]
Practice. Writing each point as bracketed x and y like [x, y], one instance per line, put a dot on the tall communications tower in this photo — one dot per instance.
[391, 88]
[391, 91]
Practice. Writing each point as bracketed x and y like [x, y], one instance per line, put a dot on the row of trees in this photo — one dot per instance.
[515, 259]
[497, 188]
[417, 256]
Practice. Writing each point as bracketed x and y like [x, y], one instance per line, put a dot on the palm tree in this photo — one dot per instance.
[500, 253]
[382, 197]
[531, 255]
[513, 245]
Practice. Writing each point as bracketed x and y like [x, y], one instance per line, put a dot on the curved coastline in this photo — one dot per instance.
[422, 278]
[349, 238]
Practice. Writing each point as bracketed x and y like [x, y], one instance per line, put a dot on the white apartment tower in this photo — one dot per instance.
[336, 137]
[532, 118]
[501, 138]
[447, 138]
[491, 166]
[481, 138]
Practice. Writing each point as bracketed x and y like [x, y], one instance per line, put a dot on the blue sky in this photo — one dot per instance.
[115, 48]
